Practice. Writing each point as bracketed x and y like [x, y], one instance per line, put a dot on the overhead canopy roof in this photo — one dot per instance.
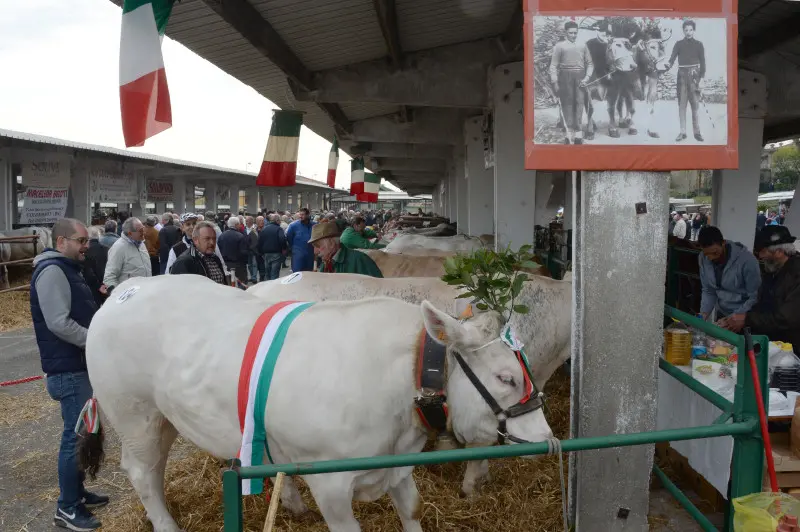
[396, 78]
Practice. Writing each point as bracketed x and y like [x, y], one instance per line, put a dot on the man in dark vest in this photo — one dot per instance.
[62, 306]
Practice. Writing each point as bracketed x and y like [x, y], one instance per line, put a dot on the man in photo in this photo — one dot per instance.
[570, 69]
[691, 58]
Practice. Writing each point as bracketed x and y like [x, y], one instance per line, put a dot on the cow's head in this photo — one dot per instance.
[652, 51]
[474, 346]
[620, 54]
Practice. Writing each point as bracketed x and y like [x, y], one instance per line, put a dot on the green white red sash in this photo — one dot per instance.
[260, 355]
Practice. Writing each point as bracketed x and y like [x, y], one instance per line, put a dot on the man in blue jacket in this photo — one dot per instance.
[729, 274]
[62, 306]
[298, 234]
[272, 246]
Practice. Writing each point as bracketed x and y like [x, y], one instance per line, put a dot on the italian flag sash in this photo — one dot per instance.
[260, 355]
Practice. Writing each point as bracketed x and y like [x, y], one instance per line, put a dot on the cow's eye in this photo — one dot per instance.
[507, 379]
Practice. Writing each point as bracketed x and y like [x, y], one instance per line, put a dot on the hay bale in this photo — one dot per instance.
[523, 494]
[15, 307]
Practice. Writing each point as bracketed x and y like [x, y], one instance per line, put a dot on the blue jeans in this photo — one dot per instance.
[72, 390]
[273, 263]
[252, 268]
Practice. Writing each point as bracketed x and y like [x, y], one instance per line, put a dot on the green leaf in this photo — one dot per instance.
[465, 295]
[529, 264]
[520, 309]
[466, 278]
[482, 306]
[516, 288]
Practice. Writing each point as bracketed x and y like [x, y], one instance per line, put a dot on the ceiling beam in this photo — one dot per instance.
[449, 76]
[429, 125]
[399, 150]
[401, 164]
[249, 22]
[512, 38]
[785, 130]
[770, 38]
[387, 18]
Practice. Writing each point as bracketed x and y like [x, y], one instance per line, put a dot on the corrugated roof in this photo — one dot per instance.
[147, 157]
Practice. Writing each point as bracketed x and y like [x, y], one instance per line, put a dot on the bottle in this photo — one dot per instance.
[678, 345]
[699, 343]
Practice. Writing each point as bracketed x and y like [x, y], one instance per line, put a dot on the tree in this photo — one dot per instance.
[786, 167]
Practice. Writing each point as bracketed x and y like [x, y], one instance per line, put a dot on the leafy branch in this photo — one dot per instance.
[492, 280]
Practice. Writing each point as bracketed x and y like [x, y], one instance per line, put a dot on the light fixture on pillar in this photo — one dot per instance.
[279, 168]
[333, 162]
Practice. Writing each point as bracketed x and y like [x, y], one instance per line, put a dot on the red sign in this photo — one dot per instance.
[634, 85]
[159, 191]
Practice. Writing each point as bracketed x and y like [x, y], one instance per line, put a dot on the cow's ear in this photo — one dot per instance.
[442, 328]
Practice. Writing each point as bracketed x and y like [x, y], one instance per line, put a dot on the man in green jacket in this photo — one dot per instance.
[357, 236]
[337, 258]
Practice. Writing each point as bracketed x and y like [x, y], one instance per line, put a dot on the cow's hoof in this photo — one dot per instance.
[633, 131]
[613, 133]
[653, 134]
[624, 123]
[589, 135]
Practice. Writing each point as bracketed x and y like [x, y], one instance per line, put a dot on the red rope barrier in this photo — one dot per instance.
[21, 381]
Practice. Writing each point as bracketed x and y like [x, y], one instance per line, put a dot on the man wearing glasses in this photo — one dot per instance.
[128, 257]
[62, 307]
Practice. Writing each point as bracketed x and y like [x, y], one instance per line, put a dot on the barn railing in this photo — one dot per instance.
[4, 282]
[748, 452]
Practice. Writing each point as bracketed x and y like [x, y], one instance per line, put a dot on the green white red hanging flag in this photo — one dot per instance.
[279, 168]
[356, 176]
[333, 162]
[143, 91]
[372, 185]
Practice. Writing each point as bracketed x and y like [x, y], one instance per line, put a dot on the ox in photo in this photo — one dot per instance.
[630, 81]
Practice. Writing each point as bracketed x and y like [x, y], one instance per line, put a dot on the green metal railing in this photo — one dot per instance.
[748, 455]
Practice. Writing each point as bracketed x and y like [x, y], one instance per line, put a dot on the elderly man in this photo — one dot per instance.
[680, 227]
[62, 307]
[298, 234]
[272, 247]
[94, 266]
[338, 259]
[729, 275]
[151, 243]
[200, 258]
[777, 311]
[234, 246]
[110, 234]
[188, 221]
[357, 236]
[128, 256]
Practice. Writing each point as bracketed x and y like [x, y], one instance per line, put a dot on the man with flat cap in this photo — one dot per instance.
[337, 258]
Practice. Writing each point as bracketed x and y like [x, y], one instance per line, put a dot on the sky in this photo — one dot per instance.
[60, 60]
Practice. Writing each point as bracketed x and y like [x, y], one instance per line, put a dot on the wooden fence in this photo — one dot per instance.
[4, 284]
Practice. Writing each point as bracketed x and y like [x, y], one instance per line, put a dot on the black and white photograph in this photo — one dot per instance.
[630, 81]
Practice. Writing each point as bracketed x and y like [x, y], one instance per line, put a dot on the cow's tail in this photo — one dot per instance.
[90, 438]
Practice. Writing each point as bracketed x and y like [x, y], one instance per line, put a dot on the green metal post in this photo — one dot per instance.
[747, 465]
[232, 499]
[684, 501]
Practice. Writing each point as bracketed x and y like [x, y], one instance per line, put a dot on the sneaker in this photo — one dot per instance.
[93, 500]
[78, 519]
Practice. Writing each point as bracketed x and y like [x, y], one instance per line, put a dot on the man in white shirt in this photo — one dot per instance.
[680, 227]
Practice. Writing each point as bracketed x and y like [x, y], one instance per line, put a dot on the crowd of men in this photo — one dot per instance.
[71, 281]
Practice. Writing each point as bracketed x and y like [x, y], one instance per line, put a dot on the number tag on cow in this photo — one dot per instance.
[510, 339]
[128, 293]
[292, 278]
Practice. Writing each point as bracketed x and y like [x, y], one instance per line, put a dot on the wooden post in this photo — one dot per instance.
[274, 503]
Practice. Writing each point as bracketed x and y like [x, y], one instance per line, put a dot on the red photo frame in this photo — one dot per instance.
[647, 157]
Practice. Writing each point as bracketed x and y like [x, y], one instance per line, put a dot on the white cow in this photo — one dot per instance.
[5, 256]
[545, 330]
[27, 250]
[326, 400]
[458, 243]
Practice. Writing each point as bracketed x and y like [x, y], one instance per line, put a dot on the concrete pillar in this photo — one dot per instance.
[161, 208]
[191, 199]
[7, 196]
[210, 195]
[234, 202]
[792, 220]
[545, 209]
[251, 199]
[514, 187]
[619, 274]
[452, 193]
[734, 193]
[570, 180]
[268, 198]
[137, 209]
[459, 171]
[179, 195]
[480, 182]
[79, 195]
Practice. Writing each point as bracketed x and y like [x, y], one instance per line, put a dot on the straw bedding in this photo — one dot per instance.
[522, 495]
[15, 307]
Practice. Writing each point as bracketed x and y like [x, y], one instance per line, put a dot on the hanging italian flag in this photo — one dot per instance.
[333, 162]
[279, 168]
[372, 185]
[143, 91]
[356, 176]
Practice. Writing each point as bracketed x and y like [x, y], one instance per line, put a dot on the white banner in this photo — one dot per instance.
[112, 187]
[46, 173]
[43, 205]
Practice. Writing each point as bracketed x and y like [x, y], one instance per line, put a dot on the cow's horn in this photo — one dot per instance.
[668, 37]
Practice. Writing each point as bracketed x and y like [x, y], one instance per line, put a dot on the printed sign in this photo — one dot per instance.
[659, 77]
[292, 278]
[113, 187]
[46, 173]
[159, 191]
[43, 205]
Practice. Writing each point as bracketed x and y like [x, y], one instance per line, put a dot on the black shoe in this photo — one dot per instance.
[566, 140]
[680, 137]
[578, 141]
[698, 137]
[93, 500]
[78, 519]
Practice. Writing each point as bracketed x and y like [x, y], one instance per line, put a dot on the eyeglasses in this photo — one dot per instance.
[82, 240]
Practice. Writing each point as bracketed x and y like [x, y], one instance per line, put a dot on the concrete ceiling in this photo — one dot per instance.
[395, 79]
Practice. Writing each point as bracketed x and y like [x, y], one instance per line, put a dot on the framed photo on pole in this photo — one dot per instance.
[631, 85]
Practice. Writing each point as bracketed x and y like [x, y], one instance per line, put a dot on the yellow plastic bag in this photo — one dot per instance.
[760, 512]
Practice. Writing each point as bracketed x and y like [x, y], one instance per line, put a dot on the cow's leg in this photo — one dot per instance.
[612, 98]
[291, 498]
[405, 498]
[652, 95]
[334, 495]
[476, 474]
[146, 441]
[631, 111]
